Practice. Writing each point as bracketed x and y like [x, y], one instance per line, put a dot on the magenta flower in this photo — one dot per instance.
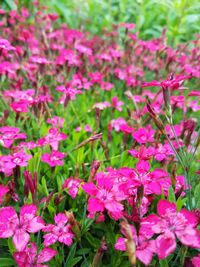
[144, 135]
[173, 82]
[20, 158]
[56, 121]
[144, 247]
[60, 232]
[72, 185]
[52, 138]
[116, 103]
[54, 158]
[171, 224]
[9, 134]
[6, 164]
[30, 257]
[104, 196]
[19, 228]
[196, 261]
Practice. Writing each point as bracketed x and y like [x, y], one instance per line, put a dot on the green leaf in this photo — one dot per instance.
[71, 254]
[180, 203]
[171, 195]
[74, 261]
[6, 262]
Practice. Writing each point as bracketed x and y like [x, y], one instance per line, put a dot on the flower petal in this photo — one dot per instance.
[60, 219]
[164, 206]
[120, 244]
[165, 245]
[46, 255]
[22, 259]
[20, 239]
[50, 239]
[35, 225]
[8, 222]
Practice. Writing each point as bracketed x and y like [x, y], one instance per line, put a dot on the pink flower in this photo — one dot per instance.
[29, 256]
[144, 247]
[171, 224]
[144, 135]
[117, 104]
[6, 164]
[173, 82]
[87, 128]
[20, 158]
[56, 121]
[19, 228]
[143, 153]
[54, 158]
[72, 185]
[9, 134]
[196, 261]
[117, 124]
[103, 196]
[60, 232]
[52, 138]
[5, 45]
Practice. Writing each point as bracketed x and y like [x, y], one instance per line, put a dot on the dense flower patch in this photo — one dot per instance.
[99, 136]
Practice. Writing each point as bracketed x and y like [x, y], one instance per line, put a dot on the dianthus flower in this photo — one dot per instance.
[60, 232]
[54, 158]
[9, 134]
[52, 138]
[144, 247]
[19, 228]
[104, 195]
[72, 185]
[144, 135]
[171, 224]
[30, 257]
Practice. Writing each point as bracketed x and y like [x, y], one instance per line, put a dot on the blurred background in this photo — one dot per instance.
[181, 18]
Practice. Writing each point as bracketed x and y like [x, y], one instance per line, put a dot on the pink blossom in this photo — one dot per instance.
[144, 247]
[72, 185]
[54, 158]
[19, 228]
[143, 153]
[9, 134]
[30, 257]
[117, 104]
[103, 196]
[20, 158]
[196, 261]
[52, 138]
[171, 224]
[56, 121]
[5, 45]
[144, 135]
[173, 82]
[87, 128]
[117, 124]
[60, 232]
[6, 164]
[106, 86]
